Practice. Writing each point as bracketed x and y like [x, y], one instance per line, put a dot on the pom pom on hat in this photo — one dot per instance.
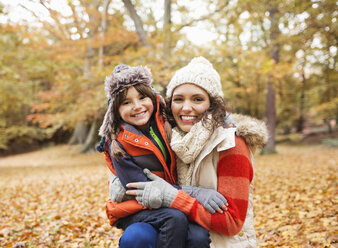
[199, 72]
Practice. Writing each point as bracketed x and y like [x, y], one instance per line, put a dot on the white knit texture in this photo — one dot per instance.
[199, 72]
[187, 147]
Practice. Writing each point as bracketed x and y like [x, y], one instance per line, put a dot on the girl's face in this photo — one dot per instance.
[188, 104]
[136, 109]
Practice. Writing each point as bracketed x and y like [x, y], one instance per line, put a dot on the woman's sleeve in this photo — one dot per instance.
[234, 173]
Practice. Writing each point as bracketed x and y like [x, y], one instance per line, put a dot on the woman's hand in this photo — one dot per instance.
[155, 194]
[209, 198]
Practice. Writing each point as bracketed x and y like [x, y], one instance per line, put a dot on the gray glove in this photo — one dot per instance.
[229, 122]
[156, 193]
[117, 192]
[209, 198]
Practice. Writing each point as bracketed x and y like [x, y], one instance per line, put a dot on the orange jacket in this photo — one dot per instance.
[138, 145]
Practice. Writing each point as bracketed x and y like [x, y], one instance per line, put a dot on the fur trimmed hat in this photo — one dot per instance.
[199, 72]
[122, 77]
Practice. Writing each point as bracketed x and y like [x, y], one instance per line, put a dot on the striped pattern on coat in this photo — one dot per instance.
[234, 173]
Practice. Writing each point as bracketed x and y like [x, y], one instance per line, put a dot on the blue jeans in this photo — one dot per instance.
[164, 227]
[139, 235]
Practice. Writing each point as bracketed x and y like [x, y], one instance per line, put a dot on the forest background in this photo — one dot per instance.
[277, 61]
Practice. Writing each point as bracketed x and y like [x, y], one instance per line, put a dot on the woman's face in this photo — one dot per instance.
[188, 104]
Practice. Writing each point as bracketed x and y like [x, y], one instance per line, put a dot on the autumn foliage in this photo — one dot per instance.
[53, 68]
[56, 198]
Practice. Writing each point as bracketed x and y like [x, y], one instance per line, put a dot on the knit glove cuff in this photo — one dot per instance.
[189, 190]
[169, 197]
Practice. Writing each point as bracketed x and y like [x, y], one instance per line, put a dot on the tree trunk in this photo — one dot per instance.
[271, 94]
[79, 133]
[91, 138]
[336, 115]
[137, 21]
[167, 30]
[103, 31]
[300, 125]
[271, 119]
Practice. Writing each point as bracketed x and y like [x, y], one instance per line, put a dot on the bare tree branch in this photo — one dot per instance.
[76, 19]
[137, 21]
[202, 18]
[166, 29]
[55, 16]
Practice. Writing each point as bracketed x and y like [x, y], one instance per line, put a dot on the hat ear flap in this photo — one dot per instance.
[107, 125]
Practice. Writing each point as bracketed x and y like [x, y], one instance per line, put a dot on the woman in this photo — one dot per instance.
[209, 156]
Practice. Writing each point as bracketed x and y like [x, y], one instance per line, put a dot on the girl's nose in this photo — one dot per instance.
[137, 105]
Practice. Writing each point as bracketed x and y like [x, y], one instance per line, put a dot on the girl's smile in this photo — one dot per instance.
[140, 114]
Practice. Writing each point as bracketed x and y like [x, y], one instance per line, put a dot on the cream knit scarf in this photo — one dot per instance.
[187, 147]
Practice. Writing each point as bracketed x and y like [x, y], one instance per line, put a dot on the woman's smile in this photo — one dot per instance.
[188, 118]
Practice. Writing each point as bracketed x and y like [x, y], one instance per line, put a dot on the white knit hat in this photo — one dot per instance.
[199, 72]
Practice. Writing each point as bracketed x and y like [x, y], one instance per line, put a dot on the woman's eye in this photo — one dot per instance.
[199, 99]
[178, 99]
[143, 97]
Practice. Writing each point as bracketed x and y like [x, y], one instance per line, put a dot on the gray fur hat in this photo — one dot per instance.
[122, 77]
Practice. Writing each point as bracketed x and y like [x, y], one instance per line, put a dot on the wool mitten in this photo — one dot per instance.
[209, 198]
[155, 193]
[117, 192]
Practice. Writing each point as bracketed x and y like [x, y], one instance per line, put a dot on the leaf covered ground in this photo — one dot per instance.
[56, 198]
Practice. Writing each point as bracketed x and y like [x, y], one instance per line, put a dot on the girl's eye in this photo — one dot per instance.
[126, 103]
[142, 97]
